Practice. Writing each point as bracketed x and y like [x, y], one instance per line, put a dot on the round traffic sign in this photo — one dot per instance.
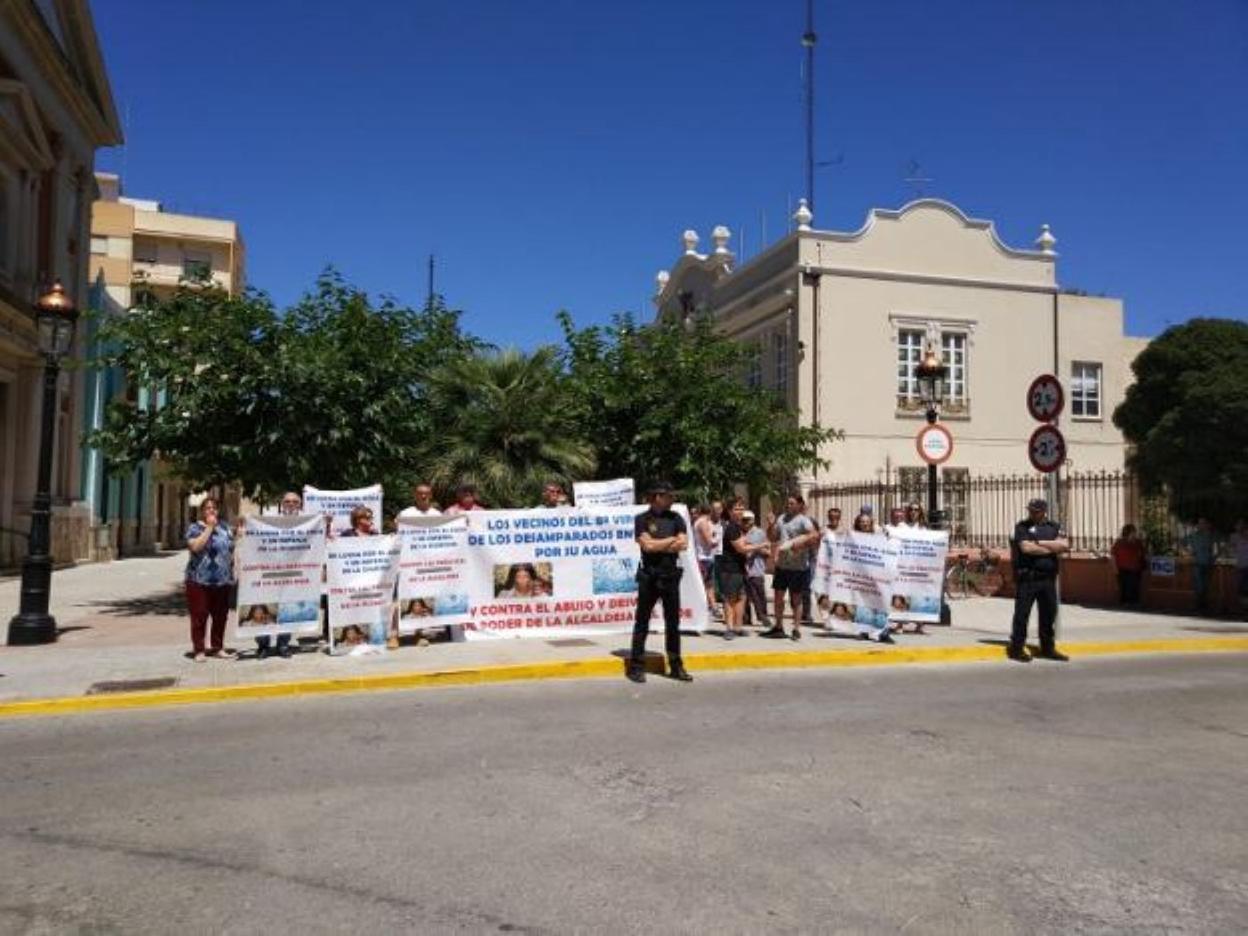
[1045, 398]
[1046, 449]
[934, 443]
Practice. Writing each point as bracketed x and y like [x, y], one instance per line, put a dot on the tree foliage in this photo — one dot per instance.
[332, 393]
[505, 425]
[1187, 417]
[668, 401]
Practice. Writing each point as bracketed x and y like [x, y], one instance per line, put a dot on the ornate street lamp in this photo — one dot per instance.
[56, 318]
[931, 374]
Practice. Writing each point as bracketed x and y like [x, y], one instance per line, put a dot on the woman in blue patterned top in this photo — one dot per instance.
[209, 577]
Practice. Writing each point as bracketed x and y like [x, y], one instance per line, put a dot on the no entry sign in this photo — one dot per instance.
[1045, 398]
[934, 443]
[1046, 449]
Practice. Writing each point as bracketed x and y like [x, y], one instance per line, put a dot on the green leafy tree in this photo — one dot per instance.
[504, 423]
[669, 401]
[331, 393]
[1186, 416]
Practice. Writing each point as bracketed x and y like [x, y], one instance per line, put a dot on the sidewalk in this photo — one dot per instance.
[124, 621]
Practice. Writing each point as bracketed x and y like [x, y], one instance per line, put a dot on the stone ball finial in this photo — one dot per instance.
[690, 239]
[1046, 241]
[803, 216]
[720, 236]
[660, 281]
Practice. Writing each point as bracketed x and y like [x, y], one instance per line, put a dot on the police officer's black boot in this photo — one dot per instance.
[676, 669]
[1018, 654]
[635, 670]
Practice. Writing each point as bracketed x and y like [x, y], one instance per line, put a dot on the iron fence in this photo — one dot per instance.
[981, 511]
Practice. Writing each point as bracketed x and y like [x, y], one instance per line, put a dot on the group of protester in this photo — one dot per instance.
[1130, 557]
[733, 552]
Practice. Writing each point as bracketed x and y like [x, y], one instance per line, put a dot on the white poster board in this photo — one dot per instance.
[433, 562]
[361, 572]
[863, 568]
[339, 504]
[279, 575]
[919, 573]
[595, 495]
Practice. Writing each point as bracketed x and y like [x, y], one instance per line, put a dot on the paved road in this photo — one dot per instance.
[1101, 796]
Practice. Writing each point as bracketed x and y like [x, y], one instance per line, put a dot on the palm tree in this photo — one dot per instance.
[503, 424]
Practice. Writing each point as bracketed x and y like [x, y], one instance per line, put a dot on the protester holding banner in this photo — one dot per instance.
[465, 500]
[209, 576]
[290, 505]
[661, 535]
[821, 581]
[553, 495]
[422, 503]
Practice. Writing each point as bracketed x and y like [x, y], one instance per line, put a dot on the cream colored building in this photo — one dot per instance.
[136, 244]
[840, 321]
[56, 109]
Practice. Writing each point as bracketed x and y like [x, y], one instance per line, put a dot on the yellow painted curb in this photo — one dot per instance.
[595, 668]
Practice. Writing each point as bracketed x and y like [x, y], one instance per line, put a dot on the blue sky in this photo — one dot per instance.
[550, 152]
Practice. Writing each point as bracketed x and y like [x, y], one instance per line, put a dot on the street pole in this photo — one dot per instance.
[33, 624]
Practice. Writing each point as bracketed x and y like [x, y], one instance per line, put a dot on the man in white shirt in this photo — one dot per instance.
[422, 503]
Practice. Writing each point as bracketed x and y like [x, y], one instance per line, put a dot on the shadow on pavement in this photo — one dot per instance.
[171, 602]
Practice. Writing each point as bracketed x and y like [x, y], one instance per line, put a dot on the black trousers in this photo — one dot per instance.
[756, 598]
[1128, 586]
[1040, 592]
[651, 589]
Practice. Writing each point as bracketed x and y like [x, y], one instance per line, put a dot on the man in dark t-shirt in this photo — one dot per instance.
[662, 535]
[1035, 547]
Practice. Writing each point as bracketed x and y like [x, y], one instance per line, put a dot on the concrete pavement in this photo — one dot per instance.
[125, 621]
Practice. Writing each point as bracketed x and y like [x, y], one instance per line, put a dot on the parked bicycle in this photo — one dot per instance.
[969, 576]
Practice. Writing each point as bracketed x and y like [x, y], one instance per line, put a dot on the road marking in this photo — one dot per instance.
[595, 669]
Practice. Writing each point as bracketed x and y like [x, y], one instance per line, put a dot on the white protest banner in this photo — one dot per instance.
[339, 504]
[919, 578]
[361, 572]
[595, 495]
[279, 575]
[862, 579]
[563, 572]
[433, 560]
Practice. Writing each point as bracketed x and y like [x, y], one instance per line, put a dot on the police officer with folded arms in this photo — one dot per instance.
[1036, 547]
[662, 535]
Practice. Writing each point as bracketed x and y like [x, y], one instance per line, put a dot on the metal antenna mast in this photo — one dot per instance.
[429, 299]
[808, 40]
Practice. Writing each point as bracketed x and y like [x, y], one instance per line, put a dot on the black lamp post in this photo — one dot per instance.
[931, 377]
[56, 318]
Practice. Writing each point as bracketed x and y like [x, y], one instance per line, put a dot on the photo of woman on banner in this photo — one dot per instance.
[522, 580]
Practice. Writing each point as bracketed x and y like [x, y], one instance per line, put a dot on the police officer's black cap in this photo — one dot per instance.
[1038, 503]
[660, 487]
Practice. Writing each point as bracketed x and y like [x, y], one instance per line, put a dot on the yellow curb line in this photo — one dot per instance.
[590, 669]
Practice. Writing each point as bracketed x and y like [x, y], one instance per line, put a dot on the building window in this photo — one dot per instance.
[144, 251]
[754, 367]
[196, 266]
[909, 353]
[780, 351]
[953, 352]
[1085, 390]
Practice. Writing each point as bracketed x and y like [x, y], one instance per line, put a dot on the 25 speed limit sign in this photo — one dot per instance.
[1045, 398]
[1046, 449]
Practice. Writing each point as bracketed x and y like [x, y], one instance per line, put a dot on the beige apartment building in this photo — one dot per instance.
[56, 109]
[840, 321]
[136, 244]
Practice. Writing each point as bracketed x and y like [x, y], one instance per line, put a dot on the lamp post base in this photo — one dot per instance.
[29, 628]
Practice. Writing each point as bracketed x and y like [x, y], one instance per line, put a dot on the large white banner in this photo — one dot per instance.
[339, 504]
[433, 562]
[861, 584]
[279, 575]
[563, 573]
[595, 495]
[919, 577]
[361, 573]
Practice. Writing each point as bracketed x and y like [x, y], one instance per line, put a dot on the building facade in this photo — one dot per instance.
[136, 244]
[839, 322]
[56, 109]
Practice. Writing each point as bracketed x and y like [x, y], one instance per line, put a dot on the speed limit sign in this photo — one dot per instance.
[1046, 449]
[1045, 398]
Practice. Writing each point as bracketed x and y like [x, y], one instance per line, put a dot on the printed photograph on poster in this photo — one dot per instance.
[523, 580]
[279, 567]
[615, 576]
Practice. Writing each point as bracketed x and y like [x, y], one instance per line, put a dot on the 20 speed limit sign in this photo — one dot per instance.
[1046, 449]
[1045, 398]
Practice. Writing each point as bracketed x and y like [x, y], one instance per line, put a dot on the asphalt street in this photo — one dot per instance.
[1099, 796]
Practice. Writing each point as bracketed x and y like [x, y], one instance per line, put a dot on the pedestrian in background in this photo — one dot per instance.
[1201, 544]
[209, 580]
[1036, 547]
[1129, 559]
[755, 572]
[708, 544]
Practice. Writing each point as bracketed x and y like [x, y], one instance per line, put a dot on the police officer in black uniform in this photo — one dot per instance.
[1036, 545]
[662, 536]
